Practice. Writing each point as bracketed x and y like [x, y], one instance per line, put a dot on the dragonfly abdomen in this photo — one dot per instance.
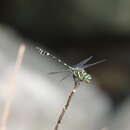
[46, 53]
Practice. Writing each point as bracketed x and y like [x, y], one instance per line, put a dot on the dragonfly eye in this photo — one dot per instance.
[88, 78]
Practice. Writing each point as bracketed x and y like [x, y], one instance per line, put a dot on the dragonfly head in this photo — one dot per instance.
[87, 78]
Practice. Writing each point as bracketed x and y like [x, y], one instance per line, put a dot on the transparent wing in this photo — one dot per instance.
[65, 77]
[89, 65]
[82, 62]
[52, 73]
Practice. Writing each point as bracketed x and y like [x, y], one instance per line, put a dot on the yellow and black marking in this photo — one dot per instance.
[82, 75]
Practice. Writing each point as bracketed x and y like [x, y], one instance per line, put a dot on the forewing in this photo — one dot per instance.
[79, 65]
[89, 65]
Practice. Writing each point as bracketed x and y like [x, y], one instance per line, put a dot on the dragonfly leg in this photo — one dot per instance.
[76, 80]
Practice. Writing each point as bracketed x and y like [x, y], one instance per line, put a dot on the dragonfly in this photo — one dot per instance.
[77, 71]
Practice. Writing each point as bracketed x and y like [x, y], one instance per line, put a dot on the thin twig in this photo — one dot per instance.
[12, 87]
[64, 109]
[104, 128]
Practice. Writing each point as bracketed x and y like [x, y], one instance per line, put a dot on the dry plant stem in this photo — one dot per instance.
[104, 128]
[66, 105]
[12, 86]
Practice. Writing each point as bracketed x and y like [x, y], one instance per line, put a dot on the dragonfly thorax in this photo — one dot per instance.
[82, 75]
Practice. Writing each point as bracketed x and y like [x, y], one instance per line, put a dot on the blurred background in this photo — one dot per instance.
[74, 30]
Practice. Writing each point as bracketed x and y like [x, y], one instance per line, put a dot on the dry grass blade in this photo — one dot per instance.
[64, 109]
[12, 85]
